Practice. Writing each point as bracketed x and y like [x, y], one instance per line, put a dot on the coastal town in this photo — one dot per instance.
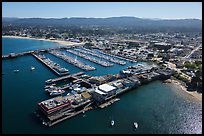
[181, 51]
[175, 57]
[102, 68]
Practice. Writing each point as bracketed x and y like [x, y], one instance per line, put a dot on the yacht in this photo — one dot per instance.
[112, 122]
[135, 125]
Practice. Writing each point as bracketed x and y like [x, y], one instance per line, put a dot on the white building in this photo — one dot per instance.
[104, 91]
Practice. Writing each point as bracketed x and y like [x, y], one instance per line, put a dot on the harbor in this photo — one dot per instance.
[73, 61]
[118, 56]
[73, 94]
[152, 101]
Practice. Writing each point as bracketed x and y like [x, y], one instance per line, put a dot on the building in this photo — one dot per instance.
[103, 92]
[53, 106]
[101, 79]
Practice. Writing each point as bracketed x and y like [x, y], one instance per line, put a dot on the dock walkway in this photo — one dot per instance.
[106, 57]
[90, 58]
[72, 61]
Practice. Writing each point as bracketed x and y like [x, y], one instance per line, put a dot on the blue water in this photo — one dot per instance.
[15, 45]
[157, 107]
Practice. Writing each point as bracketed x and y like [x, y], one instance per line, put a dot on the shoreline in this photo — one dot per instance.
[179, 86]
[62, 42]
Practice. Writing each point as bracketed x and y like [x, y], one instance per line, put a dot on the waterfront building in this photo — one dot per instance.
[98, 80]
[103, 92]
[53, 106]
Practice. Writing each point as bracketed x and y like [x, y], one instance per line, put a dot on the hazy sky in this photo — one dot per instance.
[163, 10]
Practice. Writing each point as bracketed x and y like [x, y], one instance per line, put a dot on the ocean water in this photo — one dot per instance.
[157, 107]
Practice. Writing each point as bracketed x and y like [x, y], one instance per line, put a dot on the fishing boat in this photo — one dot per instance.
[112, 122]
[135, 125]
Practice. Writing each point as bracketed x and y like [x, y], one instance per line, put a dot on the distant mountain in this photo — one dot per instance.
[122, 22]
[9, 19]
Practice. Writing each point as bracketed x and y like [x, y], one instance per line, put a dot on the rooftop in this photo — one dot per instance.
[106, 87]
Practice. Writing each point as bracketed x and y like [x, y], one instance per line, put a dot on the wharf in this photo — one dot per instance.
[14, 55]
[60, 74]
[67, 114]
[111, 101]
[63, 78]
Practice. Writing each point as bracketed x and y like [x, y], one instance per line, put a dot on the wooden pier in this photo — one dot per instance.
[14, 55]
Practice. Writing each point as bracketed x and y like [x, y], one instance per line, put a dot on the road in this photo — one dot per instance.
[188, 56]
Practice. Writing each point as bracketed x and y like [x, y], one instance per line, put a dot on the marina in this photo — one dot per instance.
[93, 53]
[73, 61]
[52, 65]
[90, 58]
[72, 94]
[117, 56]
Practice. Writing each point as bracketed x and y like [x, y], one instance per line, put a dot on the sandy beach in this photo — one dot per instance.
[181, 87]
[66, 43]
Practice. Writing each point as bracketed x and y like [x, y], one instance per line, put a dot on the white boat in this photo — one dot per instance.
[32, 68]
[135, 125]
[112, 122]
[15, 71]
[57, 92]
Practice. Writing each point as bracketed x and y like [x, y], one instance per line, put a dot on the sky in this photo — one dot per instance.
[161, 10]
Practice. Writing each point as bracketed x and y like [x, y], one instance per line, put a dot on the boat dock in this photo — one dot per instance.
[106, 57]
[117, 56]
[72, 61]
[90, 58]
[50, 64]
[111, 101]
[51, 81]
[14, 55]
